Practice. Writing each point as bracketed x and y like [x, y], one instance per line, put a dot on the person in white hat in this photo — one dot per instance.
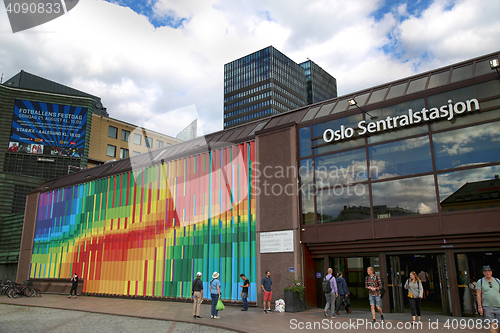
[488, 298]
[197, 294]
[215, 293]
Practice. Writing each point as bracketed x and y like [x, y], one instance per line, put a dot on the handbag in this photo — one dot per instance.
[347, 302]
[220, 306]
[410, 294]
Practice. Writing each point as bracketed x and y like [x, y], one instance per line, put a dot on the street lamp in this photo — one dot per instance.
[352, 102]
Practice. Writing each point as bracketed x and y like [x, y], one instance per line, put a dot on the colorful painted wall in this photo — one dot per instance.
[147, 232]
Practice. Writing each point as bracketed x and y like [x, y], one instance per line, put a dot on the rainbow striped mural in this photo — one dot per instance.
[147, 232]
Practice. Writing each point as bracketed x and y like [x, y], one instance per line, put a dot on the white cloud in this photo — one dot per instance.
[142, 72]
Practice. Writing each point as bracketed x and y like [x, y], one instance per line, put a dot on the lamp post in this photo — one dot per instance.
[352, 102]
[495, 64]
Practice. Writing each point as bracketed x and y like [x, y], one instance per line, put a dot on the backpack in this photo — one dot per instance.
[382, 289]
[327, 287]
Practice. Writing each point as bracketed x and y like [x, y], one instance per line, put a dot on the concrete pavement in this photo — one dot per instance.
[254, 320]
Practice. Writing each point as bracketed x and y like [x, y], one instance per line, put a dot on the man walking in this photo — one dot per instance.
[197, 292]
[244, 291]
[374, 284]
[267, 288]
[488, 298]
[331, 293]
[343, 293]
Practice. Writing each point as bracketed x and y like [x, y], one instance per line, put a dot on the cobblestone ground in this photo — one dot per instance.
[25, 319]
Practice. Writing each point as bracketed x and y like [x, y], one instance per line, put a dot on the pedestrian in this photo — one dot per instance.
[215, 293]
[267, 288]
[374, 284]
[424, 278]
[488, 298]
[415, 295]
[330, 289]
[244, 291]
[74, 285]
[197, 293]
[343, 294]
[473, 288]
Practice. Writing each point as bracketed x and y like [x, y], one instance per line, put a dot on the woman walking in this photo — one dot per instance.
[215, 293]
[415, 294]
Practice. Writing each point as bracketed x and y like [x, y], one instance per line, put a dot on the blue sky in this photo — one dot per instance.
[159, 63]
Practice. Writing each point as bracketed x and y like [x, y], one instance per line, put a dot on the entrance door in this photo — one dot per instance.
[397, 284]
[443, 284]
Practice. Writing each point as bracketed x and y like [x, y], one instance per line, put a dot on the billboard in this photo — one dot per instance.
[48, 129]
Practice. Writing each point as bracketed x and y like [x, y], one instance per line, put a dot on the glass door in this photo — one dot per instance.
[397, 284]
[464, 281]
[444, 285]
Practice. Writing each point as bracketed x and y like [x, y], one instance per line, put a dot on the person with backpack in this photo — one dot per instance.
[374, 284]
[330, 289]
[488, 298]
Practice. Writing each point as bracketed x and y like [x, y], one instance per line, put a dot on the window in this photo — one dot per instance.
[113, 132]
[125, 135]
[159, 144]
[137, 139]
[123, 153]
[148, 142]
[111, 151]
[135, 153]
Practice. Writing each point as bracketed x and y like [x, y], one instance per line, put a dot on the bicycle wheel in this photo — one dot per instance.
[29, 292]
[14, 293]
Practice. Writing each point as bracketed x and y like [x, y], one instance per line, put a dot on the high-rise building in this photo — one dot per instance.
[320, 85]
[267, 82]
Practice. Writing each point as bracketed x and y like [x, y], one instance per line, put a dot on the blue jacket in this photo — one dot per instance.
[342, 285]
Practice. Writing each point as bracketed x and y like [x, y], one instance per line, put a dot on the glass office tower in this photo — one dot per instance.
[320, 85]
[267, 82]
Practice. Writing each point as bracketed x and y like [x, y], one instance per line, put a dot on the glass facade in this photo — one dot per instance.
[267, 82]
[437, 165]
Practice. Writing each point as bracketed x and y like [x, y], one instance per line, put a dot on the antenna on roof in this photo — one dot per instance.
[1, 78]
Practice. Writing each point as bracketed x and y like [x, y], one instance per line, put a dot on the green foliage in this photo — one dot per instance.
[295, 286]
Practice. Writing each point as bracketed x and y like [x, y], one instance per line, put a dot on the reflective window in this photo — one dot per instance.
[416, 85]
[160, 144]
[468, 118]
[149, 142]
[342, 168]
[351, 121]
[411, 196]
[377, 96]
[478, 91]
[332, 147]
[398, 109]
[123, 153]
[396, 91]
[438, 79]
[341, 106]
[305, 141]
[361, 99]
[125, 135]
[343, 204]
[307, 190]
[461, 73]
[137, 139]
[113, 132]
[469, 189]
[406, 131]
[111, 151]
[135, 153]
[482, 68]
[467, 146]
[400, 158]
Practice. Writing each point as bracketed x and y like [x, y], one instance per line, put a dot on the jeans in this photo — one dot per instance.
[340, 302]
[244, 299]
[215, 299]
[415, 306]
[330, 303]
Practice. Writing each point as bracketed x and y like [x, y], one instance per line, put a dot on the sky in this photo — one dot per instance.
[160, 63]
